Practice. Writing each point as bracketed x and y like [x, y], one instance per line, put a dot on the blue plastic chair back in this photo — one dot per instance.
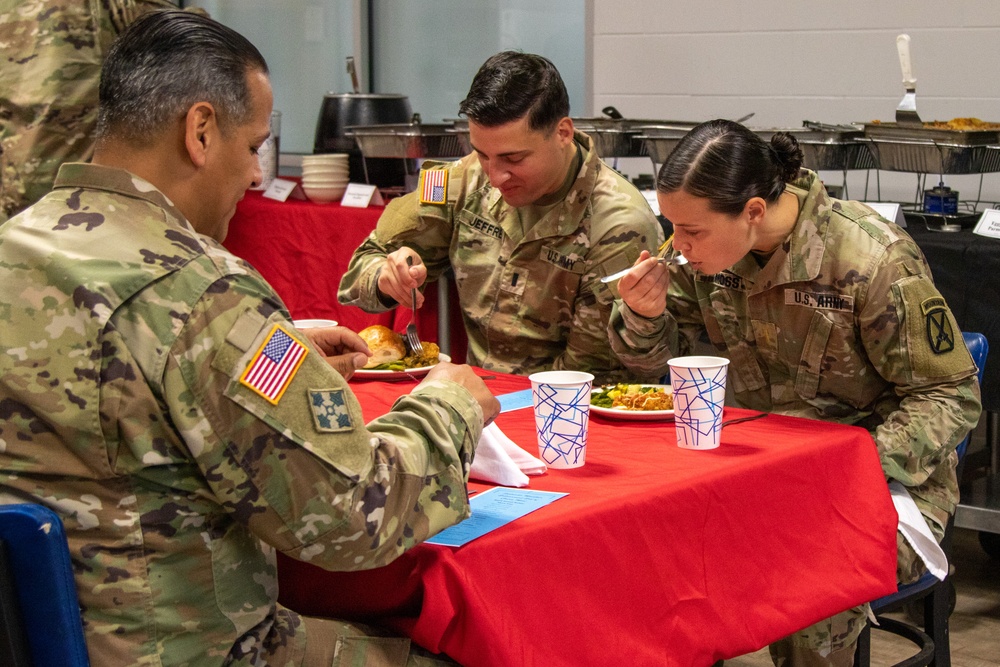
[37, 555]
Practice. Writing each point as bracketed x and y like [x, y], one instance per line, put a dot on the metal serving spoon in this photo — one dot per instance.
[679, 260]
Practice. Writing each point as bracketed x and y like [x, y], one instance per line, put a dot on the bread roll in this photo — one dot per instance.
[385, 345]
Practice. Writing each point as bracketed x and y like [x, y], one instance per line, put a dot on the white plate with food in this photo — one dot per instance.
[390, 358]
[636, 402]
[395, 373]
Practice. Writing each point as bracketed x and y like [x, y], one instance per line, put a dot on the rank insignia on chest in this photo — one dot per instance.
[940, 335]
[274, 365]
[433, 186]
[330, 413]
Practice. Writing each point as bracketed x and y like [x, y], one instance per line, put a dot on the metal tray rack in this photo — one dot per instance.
[928, 150]
[407, 140]
[620, 137]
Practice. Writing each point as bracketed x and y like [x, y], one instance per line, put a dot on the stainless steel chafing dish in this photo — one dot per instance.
[929, 150]
[407, 140]
[827, 147]
[617, 136]
[660, 140]
[991, 159]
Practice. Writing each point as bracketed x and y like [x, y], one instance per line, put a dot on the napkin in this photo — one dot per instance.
[916, 532]
[500, 461]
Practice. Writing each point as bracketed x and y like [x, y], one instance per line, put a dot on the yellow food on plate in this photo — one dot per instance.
[633, 397]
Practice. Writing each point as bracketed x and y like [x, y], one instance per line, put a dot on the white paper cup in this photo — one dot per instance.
[699, 385]
[313, 324]
[562, 415]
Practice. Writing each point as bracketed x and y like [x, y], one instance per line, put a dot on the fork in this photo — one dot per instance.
[412, 337]
[678, 259]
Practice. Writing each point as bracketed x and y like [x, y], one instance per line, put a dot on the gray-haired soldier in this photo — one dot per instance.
[529, 224]
[156, 396]
[825, 310]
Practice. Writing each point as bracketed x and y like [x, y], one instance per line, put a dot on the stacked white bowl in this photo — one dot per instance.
[325, 176]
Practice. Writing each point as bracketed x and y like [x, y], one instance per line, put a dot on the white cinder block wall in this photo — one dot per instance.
[794, 60]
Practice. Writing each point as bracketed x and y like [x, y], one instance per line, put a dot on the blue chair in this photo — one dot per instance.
[40, 622]
[937, 597]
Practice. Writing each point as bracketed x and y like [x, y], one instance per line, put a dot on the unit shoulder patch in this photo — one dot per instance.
[330, 412]
[940, 335]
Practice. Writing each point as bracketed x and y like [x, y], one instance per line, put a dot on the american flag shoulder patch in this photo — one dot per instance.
[275, 363]
[433, 186]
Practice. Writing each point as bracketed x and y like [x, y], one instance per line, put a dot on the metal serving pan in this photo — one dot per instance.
[619, 137]
[407, 140]
[893, 132]
[991, 159]
[660, 140]
[927, 157]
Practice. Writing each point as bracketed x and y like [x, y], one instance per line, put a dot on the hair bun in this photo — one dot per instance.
[788, 155]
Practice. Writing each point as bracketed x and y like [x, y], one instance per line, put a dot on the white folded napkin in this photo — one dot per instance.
[916, 531]
[499, 460]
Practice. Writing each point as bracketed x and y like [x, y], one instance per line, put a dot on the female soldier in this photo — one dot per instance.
[825, 310]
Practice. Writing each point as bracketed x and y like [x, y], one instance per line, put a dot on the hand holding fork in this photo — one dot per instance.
[412, 339]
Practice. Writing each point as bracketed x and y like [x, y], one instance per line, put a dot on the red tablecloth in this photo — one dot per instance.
[302, 249]
[658, 555]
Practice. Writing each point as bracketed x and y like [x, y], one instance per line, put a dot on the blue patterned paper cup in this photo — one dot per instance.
[562, 414]
[699, 385]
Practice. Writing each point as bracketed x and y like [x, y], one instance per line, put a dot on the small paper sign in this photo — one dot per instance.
[361, 195]
[281, 188]
[989, 223]
[654, 204]
[889, 211]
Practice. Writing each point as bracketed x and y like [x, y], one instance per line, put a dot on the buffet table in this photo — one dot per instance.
[658, 555]
[302, 249]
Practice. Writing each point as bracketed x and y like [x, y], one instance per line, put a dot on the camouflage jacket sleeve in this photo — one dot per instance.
[426, 229]
[644, 345]
[305, 473]
[938, 393]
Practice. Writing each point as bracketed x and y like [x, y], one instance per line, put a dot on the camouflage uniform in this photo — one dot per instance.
[842, 324]
[49, 73]
[126, 339]
[528, 278]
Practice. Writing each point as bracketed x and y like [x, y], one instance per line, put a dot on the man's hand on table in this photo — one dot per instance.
[465, 376]
[342, 348]
[396, 279]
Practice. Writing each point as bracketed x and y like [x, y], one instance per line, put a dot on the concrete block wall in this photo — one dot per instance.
[789, 60]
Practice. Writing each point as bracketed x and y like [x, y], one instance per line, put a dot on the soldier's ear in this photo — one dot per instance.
[200, 126]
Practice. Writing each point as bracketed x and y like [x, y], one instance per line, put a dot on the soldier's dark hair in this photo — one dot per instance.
[511, 85]
[728, 164]
[165, 62]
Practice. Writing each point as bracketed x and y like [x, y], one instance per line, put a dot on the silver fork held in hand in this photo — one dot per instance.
[412, 338]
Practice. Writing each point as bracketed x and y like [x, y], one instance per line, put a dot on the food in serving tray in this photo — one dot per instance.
[633, 397]
[959, 124]
[389, 352]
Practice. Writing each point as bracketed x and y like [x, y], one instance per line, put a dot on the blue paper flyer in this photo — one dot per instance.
[515, 400]
[490, 510]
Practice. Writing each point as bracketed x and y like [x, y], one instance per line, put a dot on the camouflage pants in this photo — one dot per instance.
[330, 642]
[831, 642]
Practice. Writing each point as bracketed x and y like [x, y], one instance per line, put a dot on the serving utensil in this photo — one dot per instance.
[411, 337]
[679, 260]
[906, 112]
